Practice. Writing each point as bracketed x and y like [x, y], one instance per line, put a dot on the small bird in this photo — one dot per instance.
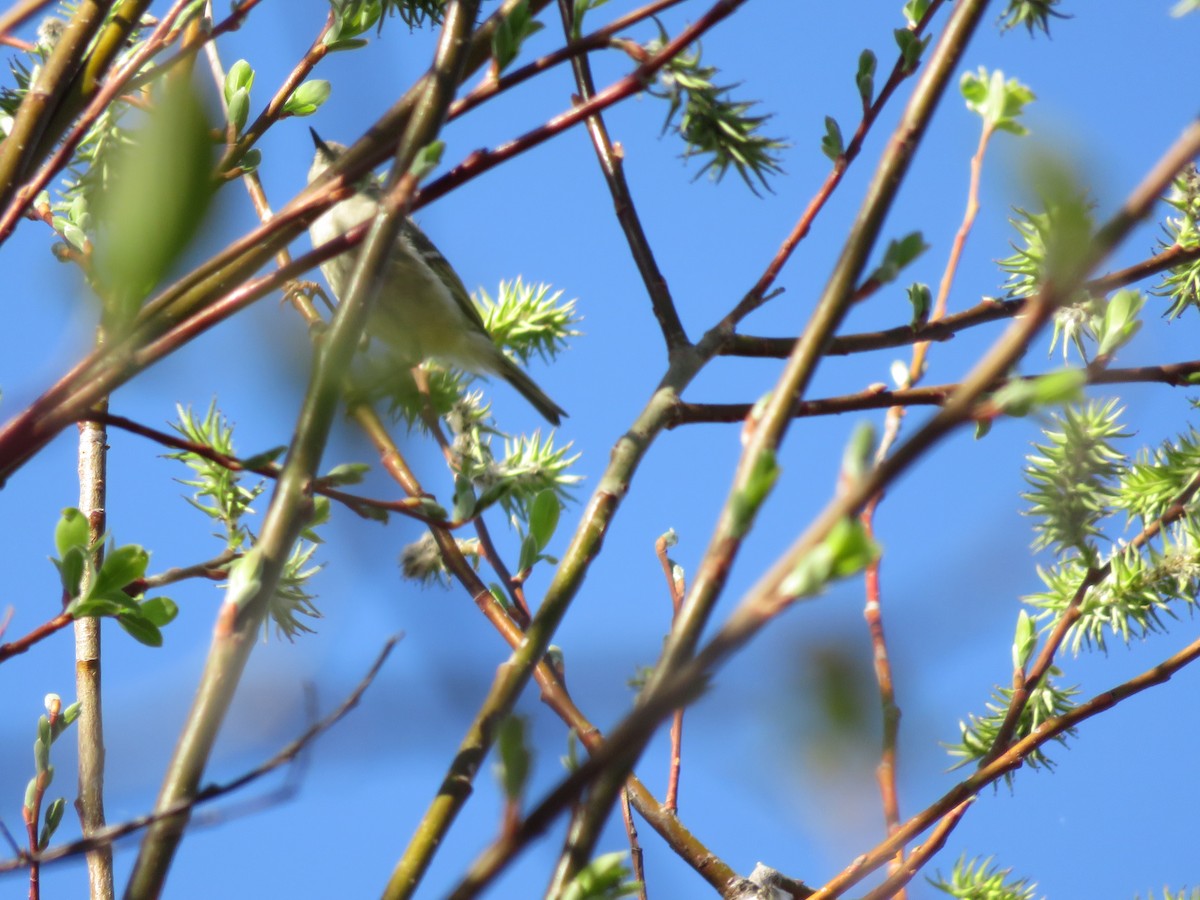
[424, 309]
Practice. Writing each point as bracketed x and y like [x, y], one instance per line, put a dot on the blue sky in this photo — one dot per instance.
[1110, 821]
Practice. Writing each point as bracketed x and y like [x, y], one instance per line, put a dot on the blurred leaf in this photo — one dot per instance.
[307, 98]
[161, 186]
[72, 530]
[141, 629]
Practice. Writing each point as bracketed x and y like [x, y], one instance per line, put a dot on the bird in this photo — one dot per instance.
[423, 310]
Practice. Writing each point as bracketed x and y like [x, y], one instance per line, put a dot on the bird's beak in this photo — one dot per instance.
[322, 147]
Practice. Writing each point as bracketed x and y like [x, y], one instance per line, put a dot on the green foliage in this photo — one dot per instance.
[238, 81]
[541, 523]
[578, 9]
[1052, 242]
[846, 551]
[911, 48]
[921, 300]
[897, 256]
[291, 599]
[221, 496]
[112, 589]
[1021, 396]
[998, 102]
[1182, 282]
[764, 472]
[864, 78]
[1185, 894]
[1154, 483]
[1046, 701]
[604, 878]
[513, 31]
[914, 11]
[161, 187]
[47, 734]
[528, 319]
[1130, 602]
[352, 18]
[307, 98]
[514, 759]
[712, 124]
[980, 880]
[859, 455]
[1072, 477]
[1033, 14]
[832, 144]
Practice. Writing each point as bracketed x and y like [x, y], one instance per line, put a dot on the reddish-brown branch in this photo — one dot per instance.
[490, 86]
[21, 644]
[879, 397]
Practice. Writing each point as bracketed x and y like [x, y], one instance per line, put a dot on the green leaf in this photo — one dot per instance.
[911, 48]
[240, 77]
[121, 566]
[159, 190]
[99, 607]
[898, 255]
[832, 144]
[1020, 396]
[865, 77]
[914, 11]
[1120, 321]
[511, 33]
[603, 878]
[1025, 640]
[72, 530]
[859, 453]
[846, 550]
[239, 110]
[515, 759]
[427, 159]
[345, 474]
[921, 299]
[159, 611]
[141, 629]
[746, 502]
[543, 517]
[54, 814]
[999, 102]
[70, 570]
[307, 98]
[529, 554]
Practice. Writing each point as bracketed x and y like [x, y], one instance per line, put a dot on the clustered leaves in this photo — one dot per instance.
[1033, 14]
[713, 125]
[221, 496]
[1046, 701]
[998, 102]
[354, 17]
[980, 880]
[1071, 477]
[1080, 480]
[1181, 283]
[111, 588]
[49, 729]
[528, 319]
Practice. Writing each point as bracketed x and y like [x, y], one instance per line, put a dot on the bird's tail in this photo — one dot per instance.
[527, 388]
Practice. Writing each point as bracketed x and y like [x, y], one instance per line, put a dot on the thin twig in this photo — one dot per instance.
[288, 754]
